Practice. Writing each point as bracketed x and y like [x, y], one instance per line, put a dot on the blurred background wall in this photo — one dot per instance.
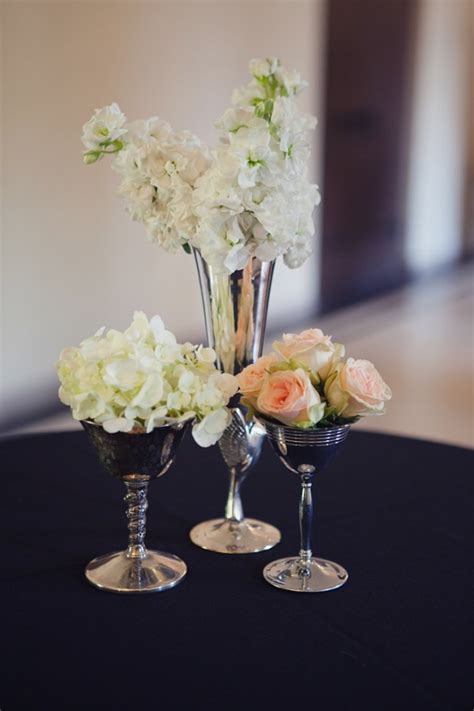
[72, 260]
[390, 80]
[442, 124]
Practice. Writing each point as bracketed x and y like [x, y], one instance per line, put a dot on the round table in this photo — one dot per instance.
[396, 512]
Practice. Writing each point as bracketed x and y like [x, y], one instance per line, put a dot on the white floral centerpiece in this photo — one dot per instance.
[306, 383]
[249, 196]
[142, 378]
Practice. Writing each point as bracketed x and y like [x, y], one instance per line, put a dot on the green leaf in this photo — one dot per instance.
[187, 247]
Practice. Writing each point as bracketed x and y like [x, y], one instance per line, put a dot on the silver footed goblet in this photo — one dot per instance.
[305, 452]
[240, 446]
[235, 312]
[136, 458]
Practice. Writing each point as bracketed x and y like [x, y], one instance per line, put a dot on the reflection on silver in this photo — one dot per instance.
[136, 458]
[240, 446]
[305, 452]
[235, 312]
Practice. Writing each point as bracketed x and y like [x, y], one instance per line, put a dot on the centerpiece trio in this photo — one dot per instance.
[236, 208]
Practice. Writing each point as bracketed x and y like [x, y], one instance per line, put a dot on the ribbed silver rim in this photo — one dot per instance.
[168, 425]
[317, 437]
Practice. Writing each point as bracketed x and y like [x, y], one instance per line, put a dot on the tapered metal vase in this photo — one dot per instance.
[235, 313]
[305, 453]
[136, 459]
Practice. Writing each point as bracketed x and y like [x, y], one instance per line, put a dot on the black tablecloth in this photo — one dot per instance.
[397, 513]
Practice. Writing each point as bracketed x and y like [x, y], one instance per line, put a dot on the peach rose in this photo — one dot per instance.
[311, 348]
[357, 388]
[289, 397]
[251, 378]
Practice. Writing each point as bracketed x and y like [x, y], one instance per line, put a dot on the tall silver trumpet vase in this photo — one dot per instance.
[136, 459]
[235, 313]
[306, 453]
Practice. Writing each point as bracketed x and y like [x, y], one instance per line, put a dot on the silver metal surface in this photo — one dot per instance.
[306, 453]
[136, 458]
[116, 572]
[235, 313]
[223, 535]
[240, 446]
[319, 575]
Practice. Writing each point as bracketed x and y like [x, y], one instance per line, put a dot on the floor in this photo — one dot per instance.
[421, 340]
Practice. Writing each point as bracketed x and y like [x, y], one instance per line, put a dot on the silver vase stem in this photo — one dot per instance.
[306, 522]
[137, 504]
[233, 507]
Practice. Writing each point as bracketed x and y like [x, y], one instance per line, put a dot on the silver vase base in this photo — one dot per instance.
[226, 536]
[117, 573]
[316, 575]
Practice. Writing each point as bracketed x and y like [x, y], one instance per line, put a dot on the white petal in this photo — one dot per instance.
[118, 424]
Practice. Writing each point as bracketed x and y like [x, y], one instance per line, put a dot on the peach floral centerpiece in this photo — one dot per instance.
[306, 396]
[306, 383]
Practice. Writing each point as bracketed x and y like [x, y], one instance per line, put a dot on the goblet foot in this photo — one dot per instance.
[117, 573]
[316, 575]
[223, 535]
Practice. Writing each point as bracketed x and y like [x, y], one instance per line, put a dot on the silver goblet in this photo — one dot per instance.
[240, 447]
[305, 452]
[136, 458]
[235, 312]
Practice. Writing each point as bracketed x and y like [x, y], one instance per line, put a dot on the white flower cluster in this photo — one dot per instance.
[159, 170]
[142, 378]
[256, 198]
[250, 197]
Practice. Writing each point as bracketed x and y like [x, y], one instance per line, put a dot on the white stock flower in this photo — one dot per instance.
[159, 169]
[106, 125]
[289, 122]
[250, 197]
[256, 199]
[291, 80]
[263, 67]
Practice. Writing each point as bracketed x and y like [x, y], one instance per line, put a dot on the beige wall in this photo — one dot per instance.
[72, 260]
[469, 192]
[438, 143]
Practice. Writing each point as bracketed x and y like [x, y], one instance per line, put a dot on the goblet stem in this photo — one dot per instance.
[233, 507]
[306, 522]
[137, 504]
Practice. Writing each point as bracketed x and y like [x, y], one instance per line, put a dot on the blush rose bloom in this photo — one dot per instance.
[312, 349]
[251, 378]
[357, 388]
[289, 397]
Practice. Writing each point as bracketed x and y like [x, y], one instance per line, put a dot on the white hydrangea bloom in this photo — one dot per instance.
[210, 429]
[142, 378]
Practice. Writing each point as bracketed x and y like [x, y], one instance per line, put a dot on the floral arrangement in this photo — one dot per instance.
[142, 378]
[305, 383]
[249, 196]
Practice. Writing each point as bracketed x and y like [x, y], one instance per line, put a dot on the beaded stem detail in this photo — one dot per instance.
[137, 504]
